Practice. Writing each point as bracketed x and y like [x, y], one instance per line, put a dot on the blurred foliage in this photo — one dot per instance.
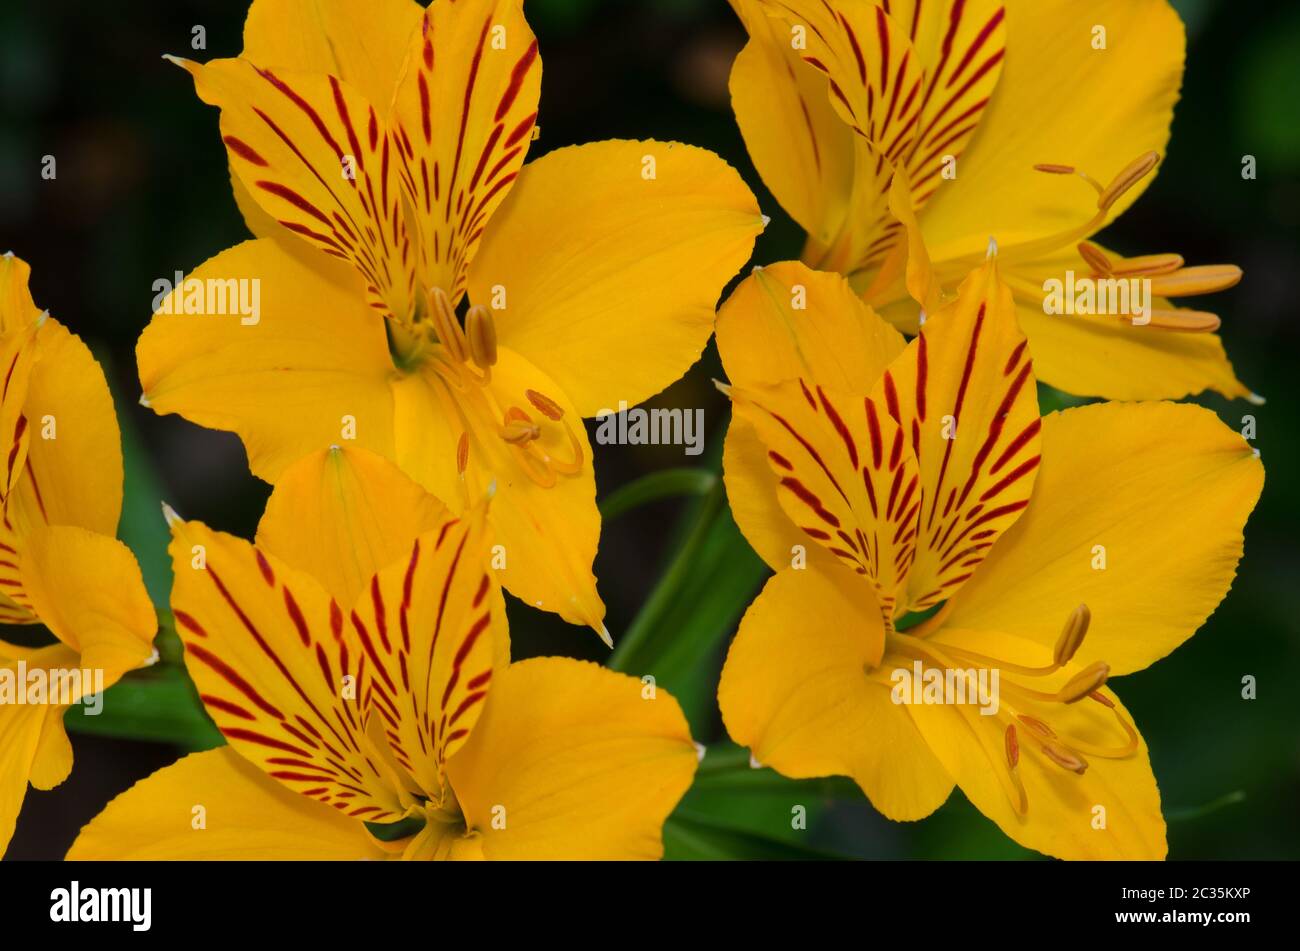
[143, 191]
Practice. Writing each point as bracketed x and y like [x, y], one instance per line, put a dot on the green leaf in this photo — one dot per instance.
[734, 810]
[158, 704]
[711, 576]
[142, 527]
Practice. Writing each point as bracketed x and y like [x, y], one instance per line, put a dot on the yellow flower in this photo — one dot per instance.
[881, 479]
[976, 103]
[60, 564]
[378, 152]
[357, 659]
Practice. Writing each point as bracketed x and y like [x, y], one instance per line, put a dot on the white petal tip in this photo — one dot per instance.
[1256, 399]
[757, 269]
[700, 750]
[144, 401]
[723, 388]
[169, 514]
[993, 248]
[754, 763]
[149, 661]
[766, 219]
[605, 636]
[45, 315]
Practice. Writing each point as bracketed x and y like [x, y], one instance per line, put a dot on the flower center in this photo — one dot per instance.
[1025, 732]
[531, 429]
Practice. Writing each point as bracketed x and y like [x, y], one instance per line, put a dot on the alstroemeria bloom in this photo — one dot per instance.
[881, 479]
[60, 562]
[378, 151]
[357, 659]
[975, 103]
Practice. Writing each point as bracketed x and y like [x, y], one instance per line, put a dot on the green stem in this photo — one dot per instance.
[671, 582]
[655, 486]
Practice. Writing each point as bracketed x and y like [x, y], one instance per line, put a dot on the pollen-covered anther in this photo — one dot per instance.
[1182, 321]
[462, 454]
[1129, 176]
[446, 326]
[1036, 725]
[1192, 281]
[1065, 758]
[545, 405]
[481, 333]
[1076, 628]
[1095, 258]
[1083, 683]
[517, 432]
[1148, 265]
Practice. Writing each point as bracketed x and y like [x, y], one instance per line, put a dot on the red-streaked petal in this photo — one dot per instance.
[965, 395]
[462, 120]
[268, 651]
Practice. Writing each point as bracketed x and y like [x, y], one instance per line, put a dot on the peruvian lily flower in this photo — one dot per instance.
[60, 562]
[890, 484]
[980, 106]
[356, 657]
[423, 293]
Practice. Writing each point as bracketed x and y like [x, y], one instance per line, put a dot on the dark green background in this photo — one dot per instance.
[142, 191]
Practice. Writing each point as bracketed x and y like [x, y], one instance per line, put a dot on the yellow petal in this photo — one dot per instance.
[1111, 811]
[430, 625]
[909, 262]
[22, 728]
[782, 322]
[545, 526]
[786, 320]
[913, 84]
[1061, 100]
[280, 670]
[17, 309]
[607, 261]
[796, 690]
[314, 154]
[17, 355]
[1158, 493]
[845, 476]
[802, 150]
[572, 761]
[364, 45]
[87, 589]
[310, 373]
[462, 120]
[216, 805]
[340, 515]
[965, 396]
[753, 488]
[73, 473]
